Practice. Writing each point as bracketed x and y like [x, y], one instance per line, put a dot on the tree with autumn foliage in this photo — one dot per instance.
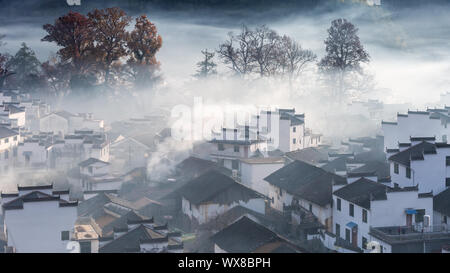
[143, 43]
[98, 46]
[73, 32]
[110, 36]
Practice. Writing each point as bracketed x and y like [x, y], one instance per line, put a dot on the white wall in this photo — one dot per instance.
[252, 175]
[429, 174]
[54, 123]
[37, 227]
[412, 125]
[205, 212]
[390, 212]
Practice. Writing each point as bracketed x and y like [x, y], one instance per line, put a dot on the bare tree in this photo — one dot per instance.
[345, 53]
[266, 42]
[237, 51]
[293, 59]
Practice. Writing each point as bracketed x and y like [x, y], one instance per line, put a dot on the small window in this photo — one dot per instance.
[15, 138]
[64, 235]
[364, 215]
[408, 172]
[396, 168]
[220, 147]
[338, 204]
[447, 182]
[236, 148]
[294, 141]
[447, 160]
[90, 169]
[310, 207]
[338, 230]
[281, 192]
[351, 210]
[444, 219]
[294, 129]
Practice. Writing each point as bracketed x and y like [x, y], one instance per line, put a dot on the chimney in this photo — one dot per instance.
[224, 133]
[235, 134]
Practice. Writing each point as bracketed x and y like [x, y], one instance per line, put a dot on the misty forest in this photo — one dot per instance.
[185, 126]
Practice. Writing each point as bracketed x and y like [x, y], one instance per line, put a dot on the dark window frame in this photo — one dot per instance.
[408, 172]
[364, 216]
[396, 168]
[351, 210]
[338, 204]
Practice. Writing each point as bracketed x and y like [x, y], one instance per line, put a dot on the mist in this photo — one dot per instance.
[406, 66]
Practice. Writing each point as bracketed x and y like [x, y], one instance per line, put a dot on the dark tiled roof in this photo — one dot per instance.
[243, 236]
[441, 202]
[306, 181]
[130, 240]
[35, 196]
[294, 120]
[310, 154]
[193, 166]
[413, 153]
[381, 169]
[32, 188]
[5, 132]
[216, 187]
[362, 191]
[90, 161]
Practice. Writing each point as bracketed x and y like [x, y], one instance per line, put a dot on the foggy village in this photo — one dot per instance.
[224, 126]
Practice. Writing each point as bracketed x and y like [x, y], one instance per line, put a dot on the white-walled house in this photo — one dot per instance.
[95, 175]
[68, 152]
[254, 170]
[234, 144]
[305, 185]
[213, 193]
[423, 163]
[56, 122]
[286, 130]
[9, 140]
[32, 152]
[63, 122]
[364, 206]
[94, 167]
[36, 221]
[432, 122]
[128, 153]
